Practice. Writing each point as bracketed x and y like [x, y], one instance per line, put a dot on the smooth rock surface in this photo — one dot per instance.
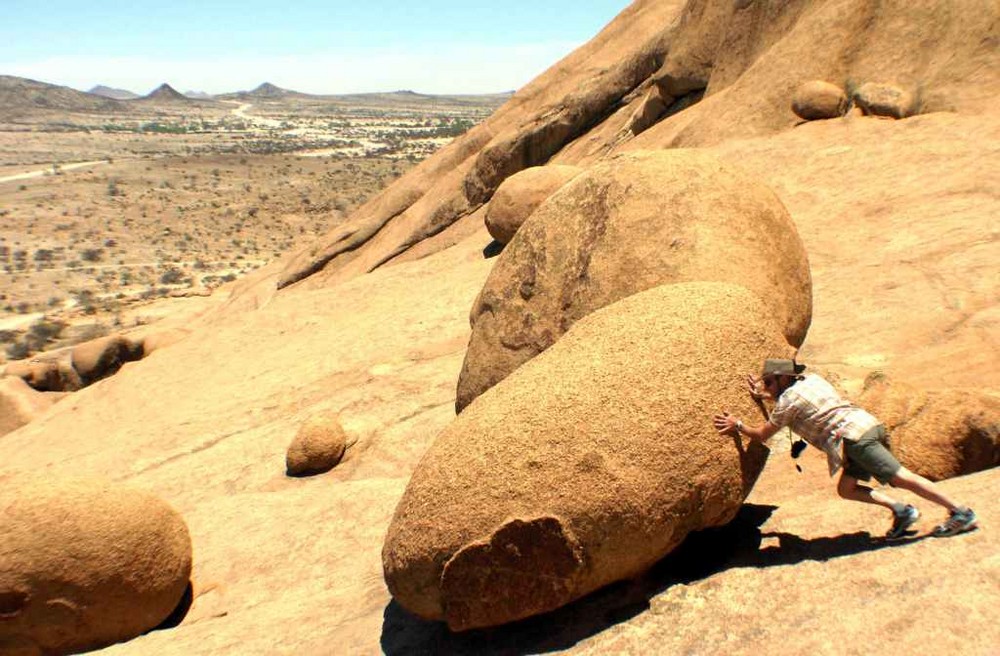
[20, 404]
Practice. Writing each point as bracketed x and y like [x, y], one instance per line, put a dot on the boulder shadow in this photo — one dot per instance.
[492, 249]
[179, 612]
[702, 554]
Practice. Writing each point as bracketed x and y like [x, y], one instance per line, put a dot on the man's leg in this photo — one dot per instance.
[849, 488]
[922, 487]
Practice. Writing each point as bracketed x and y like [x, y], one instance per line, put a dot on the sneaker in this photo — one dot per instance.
[903, 521]
[960, 521]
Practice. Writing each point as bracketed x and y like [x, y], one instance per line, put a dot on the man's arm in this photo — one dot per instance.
[727, 424]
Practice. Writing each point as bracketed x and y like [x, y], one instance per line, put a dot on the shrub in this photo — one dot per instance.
[91, 254]
[171, 276]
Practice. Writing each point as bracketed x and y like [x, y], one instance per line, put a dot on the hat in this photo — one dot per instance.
[778, 367]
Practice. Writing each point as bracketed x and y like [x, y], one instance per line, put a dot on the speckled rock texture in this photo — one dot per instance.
[318, 446]
[586, 465]
[938, 433]
[84, 564]
[520, 194]
[633, 222]
[816, 99]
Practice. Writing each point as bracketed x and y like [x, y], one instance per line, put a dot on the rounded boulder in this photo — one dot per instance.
[816, 100]
[85, 564]
[632, 222]
[318, 446]
[589, 463]
[520, 194]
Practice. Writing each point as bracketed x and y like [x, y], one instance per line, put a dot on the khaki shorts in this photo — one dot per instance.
[869, 456]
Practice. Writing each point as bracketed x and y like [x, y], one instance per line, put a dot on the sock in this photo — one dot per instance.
[898, 508]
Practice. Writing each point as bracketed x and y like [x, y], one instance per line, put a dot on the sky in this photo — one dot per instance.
[313, 46]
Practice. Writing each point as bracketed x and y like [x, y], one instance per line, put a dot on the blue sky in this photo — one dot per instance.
[432, 46]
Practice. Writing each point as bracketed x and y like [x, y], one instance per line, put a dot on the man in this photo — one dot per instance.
[813, 409]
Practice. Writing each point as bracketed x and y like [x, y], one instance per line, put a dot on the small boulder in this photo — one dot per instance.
[85, 564]
[632, 222]
[100, 358]
[318, 446]
[20, 404]
[518, 196]
[887, 100]
[816, 100]
[589, 463]
[938, 433]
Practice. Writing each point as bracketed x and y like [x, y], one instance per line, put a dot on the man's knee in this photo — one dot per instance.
[846, 486]
[902, 478]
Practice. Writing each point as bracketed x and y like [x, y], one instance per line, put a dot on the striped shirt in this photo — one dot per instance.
[817, 413]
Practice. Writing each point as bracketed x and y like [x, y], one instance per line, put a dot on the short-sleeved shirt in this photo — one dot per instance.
[816, 412]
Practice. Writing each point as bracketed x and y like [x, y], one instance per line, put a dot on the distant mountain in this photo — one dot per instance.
[20, 95]
[166, 93]
[111, 92]
[268, 90]
[199, 95]
[265, 91]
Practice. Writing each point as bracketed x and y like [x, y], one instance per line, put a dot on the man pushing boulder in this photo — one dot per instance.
[852, 439]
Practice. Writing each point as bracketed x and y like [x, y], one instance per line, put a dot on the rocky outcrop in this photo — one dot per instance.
[628, 224]
[318, 446]
[937, 433]
[586, 465]
[668, 74]
[100, 358]
[540, 119]
[51, 373]
[521, 194]
[86, 564]
[818, 100]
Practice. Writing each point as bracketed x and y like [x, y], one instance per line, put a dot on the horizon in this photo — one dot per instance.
[438, 48]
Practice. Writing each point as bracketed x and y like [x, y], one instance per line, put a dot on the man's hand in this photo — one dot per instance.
[726, 424]
[756, 388]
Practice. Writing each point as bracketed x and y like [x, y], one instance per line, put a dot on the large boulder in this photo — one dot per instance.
[589, 463]
[84, 564]
[20, 404]
[520, 194]
[630, 223]
[937, 433]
